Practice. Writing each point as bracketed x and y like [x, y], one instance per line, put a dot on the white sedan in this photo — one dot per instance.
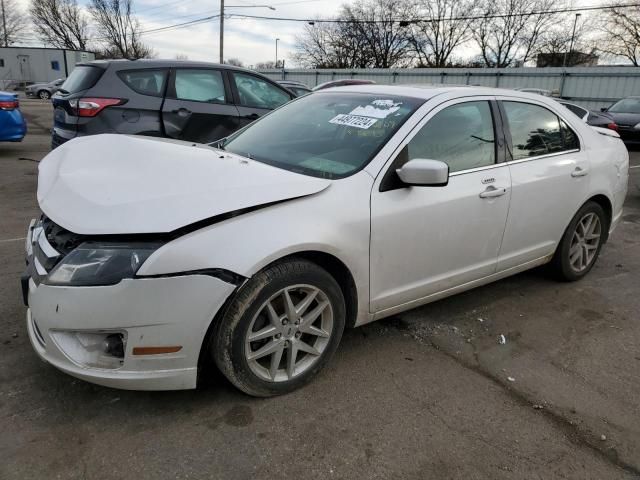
[340, 208]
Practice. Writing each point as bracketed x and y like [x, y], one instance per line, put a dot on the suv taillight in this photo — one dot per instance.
[90, 107]
[9, 104]
[612, 126]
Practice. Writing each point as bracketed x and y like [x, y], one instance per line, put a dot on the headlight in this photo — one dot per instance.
[92, 264]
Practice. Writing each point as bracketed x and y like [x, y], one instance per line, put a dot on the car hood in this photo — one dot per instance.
[118, 184]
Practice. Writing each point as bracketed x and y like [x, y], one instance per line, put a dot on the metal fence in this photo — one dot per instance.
[591, 87]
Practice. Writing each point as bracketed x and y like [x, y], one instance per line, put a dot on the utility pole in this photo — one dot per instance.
[221, 31]
[222, 22]
[276, 65]
[4, 25]
[573, 36]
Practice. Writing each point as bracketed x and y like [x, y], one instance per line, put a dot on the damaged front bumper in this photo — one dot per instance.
[70, 327]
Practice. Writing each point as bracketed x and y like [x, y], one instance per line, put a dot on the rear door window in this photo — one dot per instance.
[82, 78]
[200, 85]
[145, 82]
[537, 131]
[257, 92]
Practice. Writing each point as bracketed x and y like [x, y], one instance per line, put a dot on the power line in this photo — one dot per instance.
[180, 25]
[160, 6]
[416, 20]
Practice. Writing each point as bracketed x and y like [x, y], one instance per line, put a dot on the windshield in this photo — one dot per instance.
[329, 135]
[627, 105]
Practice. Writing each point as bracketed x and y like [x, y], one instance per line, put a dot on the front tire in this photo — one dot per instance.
[281, 328]
[581, 243]
[44, 95]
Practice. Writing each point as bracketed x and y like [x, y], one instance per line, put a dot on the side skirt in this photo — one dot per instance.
[460, 288]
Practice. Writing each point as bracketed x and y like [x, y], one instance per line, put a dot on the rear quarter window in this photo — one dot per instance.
[145, 82]
[82, 78]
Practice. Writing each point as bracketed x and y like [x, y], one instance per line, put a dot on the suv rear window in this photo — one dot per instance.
[146, 82]
[82, 78]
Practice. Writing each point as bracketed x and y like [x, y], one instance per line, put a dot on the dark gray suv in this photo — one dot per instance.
[194, 101]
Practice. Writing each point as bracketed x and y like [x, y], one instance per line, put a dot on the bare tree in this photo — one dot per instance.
[559, 45]
[236, 62]
[621, 33]
[383, 27]
[60, 22]
[435, 40]
[331, 45]
[265, 65]
[511, 29]
[13, 22]
[119, 29]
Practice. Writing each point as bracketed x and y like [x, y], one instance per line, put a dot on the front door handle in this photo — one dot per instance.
[253, 116]
[492, 192]
[182, 112]
[579, 172]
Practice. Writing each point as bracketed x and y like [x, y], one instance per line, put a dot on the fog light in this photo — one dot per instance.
[92, 349]
[114, 345]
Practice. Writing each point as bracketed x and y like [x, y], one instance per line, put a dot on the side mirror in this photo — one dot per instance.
[603, 109]
[425, 173]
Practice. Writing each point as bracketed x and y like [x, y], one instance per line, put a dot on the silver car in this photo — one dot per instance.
[44, 90]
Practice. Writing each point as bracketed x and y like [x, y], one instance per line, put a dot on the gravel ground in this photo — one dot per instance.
[524, 378]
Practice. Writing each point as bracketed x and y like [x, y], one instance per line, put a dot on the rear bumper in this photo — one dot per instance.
[630, 136]
[13, 127]
[59, 136]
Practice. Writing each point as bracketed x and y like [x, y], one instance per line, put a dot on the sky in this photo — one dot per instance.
[248, 40]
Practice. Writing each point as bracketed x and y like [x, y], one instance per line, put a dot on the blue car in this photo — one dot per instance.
[13, 127]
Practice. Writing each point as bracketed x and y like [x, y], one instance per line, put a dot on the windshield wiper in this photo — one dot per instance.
[219, 144]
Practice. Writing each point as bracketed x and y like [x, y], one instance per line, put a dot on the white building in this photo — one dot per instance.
[34, 65]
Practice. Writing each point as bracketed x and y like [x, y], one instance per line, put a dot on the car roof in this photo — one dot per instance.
[125, 64]
[428, 91]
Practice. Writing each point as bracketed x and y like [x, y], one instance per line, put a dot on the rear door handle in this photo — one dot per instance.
[253, 116]
[579, 172]
[492, 192]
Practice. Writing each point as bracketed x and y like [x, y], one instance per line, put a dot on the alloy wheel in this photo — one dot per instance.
[44, 95]
[585, 242]
[289, 333]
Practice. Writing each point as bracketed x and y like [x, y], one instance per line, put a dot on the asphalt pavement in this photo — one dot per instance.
[526, 378]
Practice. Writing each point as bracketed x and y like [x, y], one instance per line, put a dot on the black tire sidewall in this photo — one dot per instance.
[234, 327]
[41, 97]
[563, 265]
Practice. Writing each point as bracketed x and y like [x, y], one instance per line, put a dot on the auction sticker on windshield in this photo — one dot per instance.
[353, 121]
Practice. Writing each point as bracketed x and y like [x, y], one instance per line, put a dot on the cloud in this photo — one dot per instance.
[250, 40]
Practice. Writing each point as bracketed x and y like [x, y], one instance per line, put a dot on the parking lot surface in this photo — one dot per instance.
[524, 378]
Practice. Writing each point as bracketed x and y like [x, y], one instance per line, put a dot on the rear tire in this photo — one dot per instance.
[280, 329]
[581, 243]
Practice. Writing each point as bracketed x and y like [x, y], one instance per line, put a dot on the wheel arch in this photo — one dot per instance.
[332, 264]
[606, 204]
